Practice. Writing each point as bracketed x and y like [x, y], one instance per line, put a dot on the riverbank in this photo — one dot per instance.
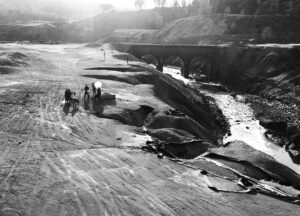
[245, 130]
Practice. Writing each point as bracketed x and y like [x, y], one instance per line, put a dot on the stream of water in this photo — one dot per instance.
[243, 124]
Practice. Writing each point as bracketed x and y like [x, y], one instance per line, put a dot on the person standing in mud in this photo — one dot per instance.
[68, 95]
[98, 94]
[94, 89]
[86, 92]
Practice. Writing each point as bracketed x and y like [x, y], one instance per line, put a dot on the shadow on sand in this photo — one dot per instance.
[66, 109]
[97, 106]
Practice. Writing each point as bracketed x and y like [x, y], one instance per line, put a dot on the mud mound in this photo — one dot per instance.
[183, 123]
[241, 152]
[13, 59]
[7, 69]
[128, 116]
[187, 150]
[171, 135]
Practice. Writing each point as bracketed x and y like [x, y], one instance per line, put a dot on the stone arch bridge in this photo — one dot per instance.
[211, 54]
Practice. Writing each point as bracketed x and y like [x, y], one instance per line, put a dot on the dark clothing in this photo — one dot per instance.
[94, 90]
[86, 92]
[68, 96]
[99, 91]
[98, 95]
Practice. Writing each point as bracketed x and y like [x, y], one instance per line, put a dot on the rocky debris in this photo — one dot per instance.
[184, 150]
[184, 123]
[171, 135]
[293, 147]
[273, 125]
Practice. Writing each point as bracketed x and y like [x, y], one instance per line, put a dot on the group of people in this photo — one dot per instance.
[70, 100]
[96, 92]
[69, 93]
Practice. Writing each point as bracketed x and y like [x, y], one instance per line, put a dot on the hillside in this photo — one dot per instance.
[103, 25]
[253, 7]
[220, 28]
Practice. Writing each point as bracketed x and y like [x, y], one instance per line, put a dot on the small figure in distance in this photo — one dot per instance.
[94, 89]
[26, 98]
[68, 96]
[98, 94]
[86, 92]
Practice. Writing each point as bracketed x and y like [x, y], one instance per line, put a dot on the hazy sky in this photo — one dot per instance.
[78, 8]
[120, 4]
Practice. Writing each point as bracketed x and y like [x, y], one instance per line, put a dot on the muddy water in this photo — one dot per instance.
[243, 125]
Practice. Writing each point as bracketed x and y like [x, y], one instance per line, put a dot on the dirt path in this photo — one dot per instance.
[58, 161]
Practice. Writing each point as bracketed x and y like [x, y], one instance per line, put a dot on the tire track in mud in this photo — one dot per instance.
[120, 201]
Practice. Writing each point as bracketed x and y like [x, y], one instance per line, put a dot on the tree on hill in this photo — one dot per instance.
[257, 7]
[183, 3]
[106, 8]
[159, 3]
[139, 3]
[175, 3]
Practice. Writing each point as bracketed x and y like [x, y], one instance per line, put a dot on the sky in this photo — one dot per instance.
[75, 7]
[119, 4]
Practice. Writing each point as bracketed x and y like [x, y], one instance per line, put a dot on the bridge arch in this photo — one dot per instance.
[200, 68]
[175, 62]
[150, 59]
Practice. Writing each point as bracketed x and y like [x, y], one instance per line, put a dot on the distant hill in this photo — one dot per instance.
[202, 22]
[103, 25]
[220, 28]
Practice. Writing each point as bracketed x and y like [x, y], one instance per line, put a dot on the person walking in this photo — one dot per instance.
[98, 94]
[68, 96]
[94, 89]
[86, 92]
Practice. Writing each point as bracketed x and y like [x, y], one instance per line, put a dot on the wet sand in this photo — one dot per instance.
[58, 161]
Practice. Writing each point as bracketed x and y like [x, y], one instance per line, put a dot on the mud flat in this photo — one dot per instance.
[56, 160]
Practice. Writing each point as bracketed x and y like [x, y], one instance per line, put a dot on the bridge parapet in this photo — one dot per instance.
[186, 52]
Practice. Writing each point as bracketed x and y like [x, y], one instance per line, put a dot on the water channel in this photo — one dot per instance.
[243, 124]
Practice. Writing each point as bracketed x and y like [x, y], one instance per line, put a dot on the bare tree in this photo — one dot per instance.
[175, 3]
[139, 3]
[160, 3]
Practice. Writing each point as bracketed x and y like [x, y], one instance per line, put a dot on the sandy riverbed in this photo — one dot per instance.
[58, 161]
